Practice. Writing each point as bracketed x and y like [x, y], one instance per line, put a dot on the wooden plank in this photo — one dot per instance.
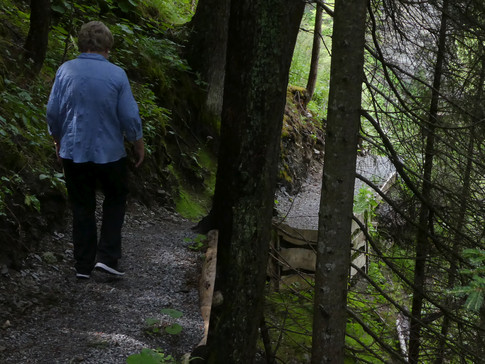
[297, 236]
[298, 258]
[207, 280]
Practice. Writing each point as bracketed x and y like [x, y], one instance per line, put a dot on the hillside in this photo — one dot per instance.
[178, 170]
[181, 136]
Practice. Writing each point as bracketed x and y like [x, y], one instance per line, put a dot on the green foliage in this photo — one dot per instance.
[172, 312]
[365, 205]
[166, 14]
[376, 312]
[5, 191]
[208, 164]
[147, 54]
[365, 202]
[22, 120]
[198, 243]
[56, 180]
[289, 315]
[32, 201]
[189, 205]
[152, 326]
[24, 142]
[193, 201]
[156, 326]
[300, 65]
[475, 289]
[154, 116]
[150, 356]
[174, 329]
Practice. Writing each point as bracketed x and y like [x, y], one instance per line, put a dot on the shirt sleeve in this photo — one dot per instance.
[52, 115]
[128, 112]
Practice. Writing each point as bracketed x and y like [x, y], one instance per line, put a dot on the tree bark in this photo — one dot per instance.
[336, 205]
[206, 49]
[481, 334]
[38, 36]
[317, 41]
[262, 35]
[425, 219]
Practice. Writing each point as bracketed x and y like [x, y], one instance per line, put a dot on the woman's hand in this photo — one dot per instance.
[58, 148]
[139, 152]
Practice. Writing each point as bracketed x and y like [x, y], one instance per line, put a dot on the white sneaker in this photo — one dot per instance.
[107, 269]
[82, 276]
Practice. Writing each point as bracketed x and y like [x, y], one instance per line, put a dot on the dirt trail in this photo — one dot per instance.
[48, 316]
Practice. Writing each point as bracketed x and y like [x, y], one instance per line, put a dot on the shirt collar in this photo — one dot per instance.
[96, 56]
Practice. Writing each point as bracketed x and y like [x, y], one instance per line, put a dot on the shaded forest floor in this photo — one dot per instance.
[48, 316]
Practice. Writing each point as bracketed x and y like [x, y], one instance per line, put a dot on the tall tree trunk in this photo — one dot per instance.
[481, 334]
[317, 41]
[262, 35]
[37, 39]
[425, 219]
[206, 49]
[336, 206]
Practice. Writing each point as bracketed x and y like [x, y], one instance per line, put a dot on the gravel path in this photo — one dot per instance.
[301, 211]
[48, 316]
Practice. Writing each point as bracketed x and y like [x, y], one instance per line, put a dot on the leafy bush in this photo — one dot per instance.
[475, 289]
[150, 356]
[300, 65]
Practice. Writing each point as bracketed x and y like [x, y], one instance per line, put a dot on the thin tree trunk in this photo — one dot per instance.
[425, 219]
[206, 49]
[336, 206]
[262, 35]
[37, 39]
[317, 41]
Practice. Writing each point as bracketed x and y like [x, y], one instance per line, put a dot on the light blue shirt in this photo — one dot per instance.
[91, 110]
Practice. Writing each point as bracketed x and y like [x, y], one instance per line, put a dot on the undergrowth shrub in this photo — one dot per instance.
[300, 66]
[30, 177]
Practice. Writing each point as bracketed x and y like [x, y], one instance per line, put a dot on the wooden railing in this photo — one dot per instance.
[293, 254]
[293, 250]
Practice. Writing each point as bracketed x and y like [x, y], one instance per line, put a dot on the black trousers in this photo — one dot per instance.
[82, 180]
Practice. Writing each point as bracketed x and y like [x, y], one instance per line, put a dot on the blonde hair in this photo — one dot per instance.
[95, 37]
